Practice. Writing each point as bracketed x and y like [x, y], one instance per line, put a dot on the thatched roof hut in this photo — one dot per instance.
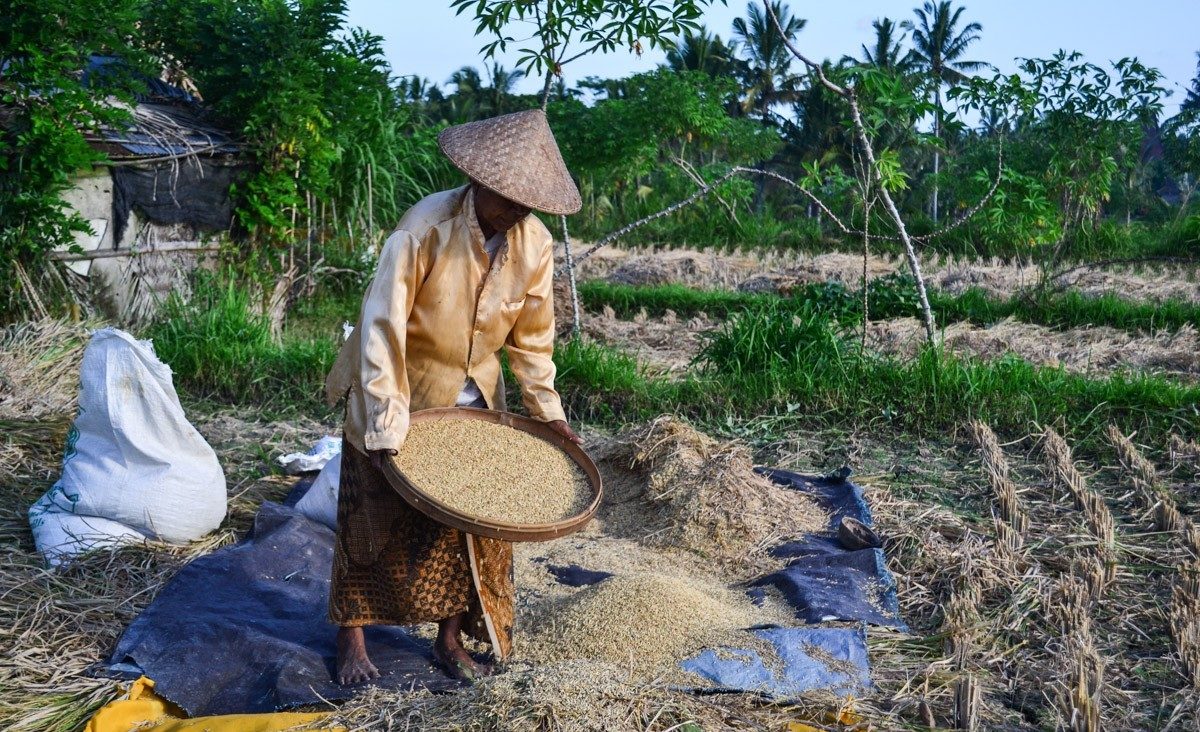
[164, 189]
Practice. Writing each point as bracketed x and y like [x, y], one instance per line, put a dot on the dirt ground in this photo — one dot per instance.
[774, 271]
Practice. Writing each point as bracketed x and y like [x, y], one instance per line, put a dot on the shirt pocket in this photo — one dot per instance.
[510, 307]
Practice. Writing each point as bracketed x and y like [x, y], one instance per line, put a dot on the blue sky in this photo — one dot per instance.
[426, 38]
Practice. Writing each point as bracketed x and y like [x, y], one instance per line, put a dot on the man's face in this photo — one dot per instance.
[497, 212]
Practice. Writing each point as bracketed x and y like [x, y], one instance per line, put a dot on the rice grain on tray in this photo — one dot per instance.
[493, 471]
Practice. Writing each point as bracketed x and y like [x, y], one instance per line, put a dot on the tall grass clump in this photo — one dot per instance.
[220, 349]
[599, 383]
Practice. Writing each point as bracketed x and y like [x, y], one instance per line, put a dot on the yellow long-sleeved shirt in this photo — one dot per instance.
[435, 315]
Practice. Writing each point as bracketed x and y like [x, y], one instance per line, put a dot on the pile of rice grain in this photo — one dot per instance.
[493, 471]
[644, 621]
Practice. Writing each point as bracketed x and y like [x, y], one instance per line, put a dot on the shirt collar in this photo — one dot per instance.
[467, 211]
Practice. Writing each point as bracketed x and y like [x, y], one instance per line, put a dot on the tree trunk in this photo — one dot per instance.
[937, 153]
[910, 251]
[546, 88]
[575, 321]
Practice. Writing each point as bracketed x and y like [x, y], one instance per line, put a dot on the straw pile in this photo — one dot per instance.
[645, 622]
[701, 495]
[39, 368]
[493, 471]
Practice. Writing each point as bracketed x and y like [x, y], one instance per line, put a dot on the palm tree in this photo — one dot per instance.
[888, 52]
[767, 78]
[605, 88]
[464, 103]
[819, 130]
[938, 48]
[414, 89]
[702, 51]
[466, 81]
[1192, 102]
[559, 91]
[502, 84]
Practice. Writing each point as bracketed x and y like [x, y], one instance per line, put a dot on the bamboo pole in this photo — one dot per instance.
[575, 321]
[118, 253]
[370, 207]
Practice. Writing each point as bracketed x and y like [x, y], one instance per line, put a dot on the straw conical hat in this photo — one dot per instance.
[516, 156]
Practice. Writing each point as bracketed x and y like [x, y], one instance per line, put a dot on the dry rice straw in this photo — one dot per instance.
[995, 464]
[1144, 477]
[1183, 619]
[1078, 698]
[1097, 516]
[1184, 451]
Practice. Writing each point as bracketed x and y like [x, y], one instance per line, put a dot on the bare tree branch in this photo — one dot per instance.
[707, 188]
[690, 172]
[849, 94]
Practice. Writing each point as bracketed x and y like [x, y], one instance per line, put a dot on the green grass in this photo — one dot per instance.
[783, 360]
[774, 356]
[895, 296]
[220, 350]
[1070, 310]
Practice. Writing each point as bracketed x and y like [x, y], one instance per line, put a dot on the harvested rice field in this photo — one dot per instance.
[780, 271]
[493, 471]
[1048, 577]
[1094, 351]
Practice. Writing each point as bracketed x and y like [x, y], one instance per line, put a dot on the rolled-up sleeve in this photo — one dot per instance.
[384, 374]
[530, 345]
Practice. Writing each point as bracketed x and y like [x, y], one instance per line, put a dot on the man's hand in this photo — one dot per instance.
[379, 458]
[564, 429]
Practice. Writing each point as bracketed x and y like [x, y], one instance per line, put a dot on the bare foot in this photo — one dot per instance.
[353, 666]
[457, 663]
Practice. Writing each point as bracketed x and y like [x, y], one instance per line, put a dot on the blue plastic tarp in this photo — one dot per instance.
[824, 581]
[244, 629]
[806, 659]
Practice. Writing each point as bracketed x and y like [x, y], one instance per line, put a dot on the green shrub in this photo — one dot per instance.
[220, 349]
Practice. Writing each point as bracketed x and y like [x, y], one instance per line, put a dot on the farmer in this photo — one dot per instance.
[466, 272]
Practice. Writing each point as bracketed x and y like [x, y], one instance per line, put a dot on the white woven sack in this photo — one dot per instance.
[60, 535]
[132, 457]
[320, 502]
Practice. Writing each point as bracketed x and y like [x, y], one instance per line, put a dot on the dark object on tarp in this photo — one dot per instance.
[825, 582]
[244, 629]
[854, 535]
[572, 575]
[806, 659]
[194, 191]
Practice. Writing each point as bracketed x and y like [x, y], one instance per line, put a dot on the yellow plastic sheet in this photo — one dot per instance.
[146, 711]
